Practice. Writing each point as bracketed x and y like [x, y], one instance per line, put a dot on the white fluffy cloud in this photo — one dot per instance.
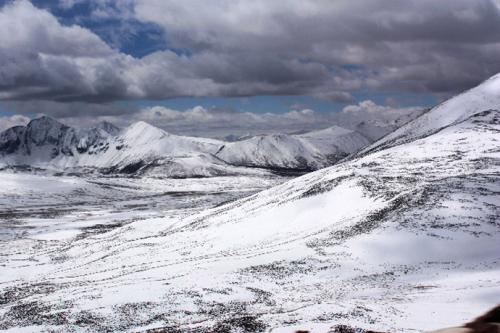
[10, 121]
[43, 59]
[213, 122]
[370, 107]
[217, 122]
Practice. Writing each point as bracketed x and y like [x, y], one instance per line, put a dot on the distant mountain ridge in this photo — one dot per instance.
[50, 134]
[142, 148]
[308, 151]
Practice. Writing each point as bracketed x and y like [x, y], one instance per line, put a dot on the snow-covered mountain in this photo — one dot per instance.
[403, 237]
[44, 139]
[308, 151]
[486, 96]
[143, 148]
[139, 148]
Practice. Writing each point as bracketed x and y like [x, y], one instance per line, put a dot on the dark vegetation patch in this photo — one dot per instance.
[32, 313]
[229, 317]
[376, 279]
[132, 167]
[423, 287]
[322, 187]
[48, 213]
[97, 229]
[295, 171]
[279, 269]
[358, 312]
[384, 186]
[236, 324]
[247, 324]
[262, 296]
[89, 319]
[165, 329]
[141, 314]
[432, 197]
[15, 294]
[346, 329]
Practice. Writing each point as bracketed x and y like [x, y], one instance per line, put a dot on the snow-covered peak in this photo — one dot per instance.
[45, 130]
[312, 150]
[44, 121]
[142, 133]
[484, 97]
[330, 132]
[140, 125]
[336, 142]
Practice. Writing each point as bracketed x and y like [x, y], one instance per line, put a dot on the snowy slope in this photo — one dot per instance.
[486, 96]
[312, 150]
[402, 239]
[336, 141]
[275, 150]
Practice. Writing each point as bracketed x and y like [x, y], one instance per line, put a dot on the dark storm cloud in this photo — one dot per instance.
[63, 109]
[324, 49]
[416, 45]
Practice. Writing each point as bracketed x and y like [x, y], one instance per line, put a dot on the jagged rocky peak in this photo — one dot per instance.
[45, 130]
[47, 134]
[332, 130]
[11, 139]
[108, 127]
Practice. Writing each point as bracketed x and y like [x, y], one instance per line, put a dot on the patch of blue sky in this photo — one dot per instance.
[257, 104]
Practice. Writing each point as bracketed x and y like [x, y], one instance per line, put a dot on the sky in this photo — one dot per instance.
[222, 67]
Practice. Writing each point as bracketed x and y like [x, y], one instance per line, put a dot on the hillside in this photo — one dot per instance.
[403, 238]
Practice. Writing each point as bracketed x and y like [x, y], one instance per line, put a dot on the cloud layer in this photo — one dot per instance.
[11, 121]
[219, 123]
[324, 49]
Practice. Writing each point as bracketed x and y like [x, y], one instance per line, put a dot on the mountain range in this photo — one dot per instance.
[144, 149]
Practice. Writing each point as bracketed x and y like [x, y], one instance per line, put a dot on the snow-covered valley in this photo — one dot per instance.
[402, 236]
[43, 206]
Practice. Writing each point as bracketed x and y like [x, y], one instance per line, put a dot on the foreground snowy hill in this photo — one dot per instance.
[404, 238]
[145, 149]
